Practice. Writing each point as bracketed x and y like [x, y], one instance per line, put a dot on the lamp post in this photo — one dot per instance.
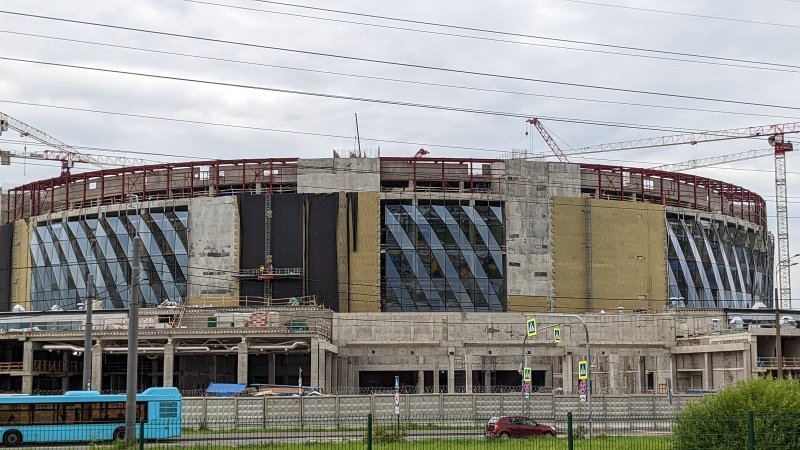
[87, 339]
[133, 337]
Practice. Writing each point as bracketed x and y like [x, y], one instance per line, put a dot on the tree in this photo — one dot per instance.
[721, 420]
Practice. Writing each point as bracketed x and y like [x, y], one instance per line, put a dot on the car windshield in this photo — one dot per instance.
[493, 420]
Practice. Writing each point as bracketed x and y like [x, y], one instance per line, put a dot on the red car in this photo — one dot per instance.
[516, 426]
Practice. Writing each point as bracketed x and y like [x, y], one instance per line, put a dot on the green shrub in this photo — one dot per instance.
[720, 420]
[384, 435]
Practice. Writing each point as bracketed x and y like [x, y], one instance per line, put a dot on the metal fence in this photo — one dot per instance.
[397, 432]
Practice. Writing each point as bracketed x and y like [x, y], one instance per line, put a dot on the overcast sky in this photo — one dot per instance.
[311, 126]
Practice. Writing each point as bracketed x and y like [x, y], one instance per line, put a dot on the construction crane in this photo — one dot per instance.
[58, 151]
[421, 153]
[775, 134]
[548, 139]
[715, 160]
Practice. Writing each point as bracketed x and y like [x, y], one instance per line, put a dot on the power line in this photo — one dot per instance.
[360, 99]
[394, 80]
[714, 60]
[376, 61]
[684, 14]
[507, 33]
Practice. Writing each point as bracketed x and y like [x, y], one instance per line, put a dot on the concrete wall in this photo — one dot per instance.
[338, 174]
[627, 257]
[213, 251]
[625, 347]
[249, 412]
[527, 190]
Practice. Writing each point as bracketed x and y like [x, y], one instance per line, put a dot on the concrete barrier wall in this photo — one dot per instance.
[249, 411]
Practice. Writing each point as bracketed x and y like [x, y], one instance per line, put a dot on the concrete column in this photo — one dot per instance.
[436, 377]
[65, 378]
[641, 375]
[97, 366]
[467, 374]
[708, 373]
[169, 364]
[242, 369]
[314, 375]
[420, 381]
[334, 370]
[322, 370]
[613, 364]
[27, 367]
[271, 369]
[451, 373]
[749, 361]
[487, 381]
[328, 370]
[567, 373]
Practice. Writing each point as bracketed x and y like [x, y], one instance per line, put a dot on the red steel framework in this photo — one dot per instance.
[182, 180]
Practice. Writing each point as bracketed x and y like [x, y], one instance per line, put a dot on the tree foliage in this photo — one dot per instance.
[721, 420]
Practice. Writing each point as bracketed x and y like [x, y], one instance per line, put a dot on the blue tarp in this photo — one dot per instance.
[225, 389]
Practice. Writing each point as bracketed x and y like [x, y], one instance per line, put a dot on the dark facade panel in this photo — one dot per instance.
[6, 242]
[287, 230]
[251, 229]
[322, 275]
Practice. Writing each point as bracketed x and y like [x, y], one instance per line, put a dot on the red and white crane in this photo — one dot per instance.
[775, 135]
[57, 150]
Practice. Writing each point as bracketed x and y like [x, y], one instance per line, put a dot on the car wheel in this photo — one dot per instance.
[119, 434]
[12, 438]
[549, 434]
[504, 435]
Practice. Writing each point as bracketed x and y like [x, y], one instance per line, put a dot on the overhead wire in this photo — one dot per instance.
[396, 80]
[713, 60]
[369, 60]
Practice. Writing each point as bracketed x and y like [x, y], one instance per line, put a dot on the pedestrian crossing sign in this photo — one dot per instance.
[583, 370]
[556, 335]
[527, 374]
[531, 326]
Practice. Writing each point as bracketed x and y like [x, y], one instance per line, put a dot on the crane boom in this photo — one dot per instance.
[548, 139]
[692, 138]
[715, 160]
[59, 151]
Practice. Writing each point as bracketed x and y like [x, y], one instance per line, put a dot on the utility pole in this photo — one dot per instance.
[87, 340]
[133, 347]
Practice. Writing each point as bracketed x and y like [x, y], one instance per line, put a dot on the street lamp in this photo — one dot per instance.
[133, 335]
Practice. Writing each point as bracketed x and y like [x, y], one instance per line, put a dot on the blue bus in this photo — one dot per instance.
[87, 416]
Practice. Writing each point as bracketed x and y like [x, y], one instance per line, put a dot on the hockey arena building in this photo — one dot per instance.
[349, 271]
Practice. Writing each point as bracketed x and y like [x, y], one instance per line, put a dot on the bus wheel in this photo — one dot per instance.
[119, 434]
[12, 438]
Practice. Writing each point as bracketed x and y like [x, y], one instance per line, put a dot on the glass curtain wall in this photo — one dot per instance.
[63, 254]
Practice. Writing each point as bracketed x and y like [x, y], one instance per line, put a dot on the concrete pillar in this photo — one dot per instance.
[27, 367]
[567, 372]
[436, 377]
[322, 370]
[451, 373]
[65, 378]
[271, 369]
[749, 361]
[641, 378]
[467, 374]
[420, 381]
[242, 369]
[328, 370]
[613, 365]
[487, 380]
[314, 375]
[169, 364]
[334, 370]
[708, 373]
[97, 366]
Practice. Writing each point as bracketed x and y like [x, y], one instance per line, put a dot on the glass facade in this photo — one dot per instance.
[717, 264]
[443, 257]
[63, 254]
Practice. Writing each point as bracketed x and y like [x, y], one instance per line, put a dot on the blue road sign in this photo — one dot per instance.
[531, 322]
